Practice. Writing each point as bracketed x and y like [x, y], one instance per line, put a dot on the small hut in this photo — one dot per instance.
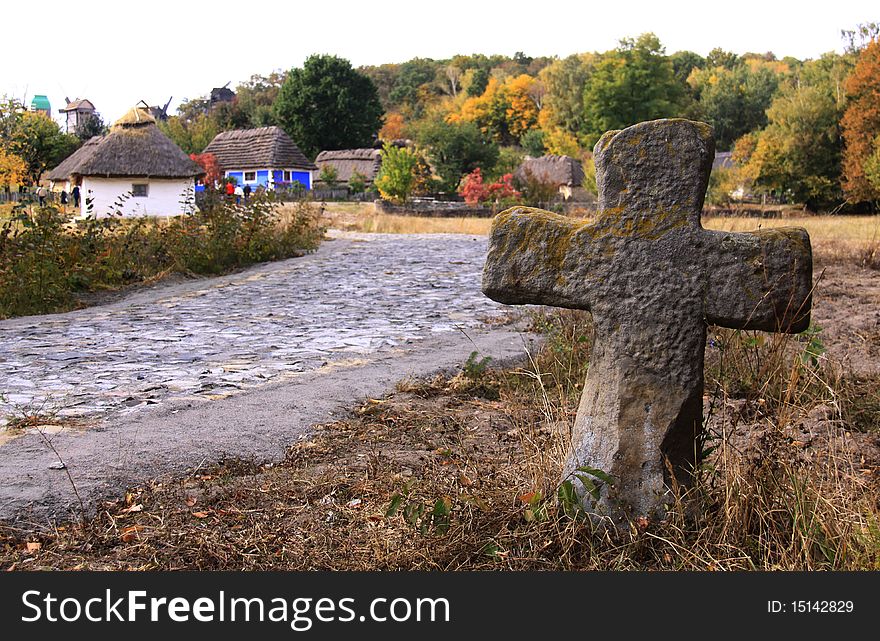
[366, 162]
[564, 172]
[265, 156]
[134, 170]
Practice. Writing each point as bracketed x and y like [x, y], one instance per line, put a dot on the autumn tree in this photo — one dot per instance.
[397, 177]
[328, 105]
[505, 111]
[861, 127]
[34, 138]
[13, 169]
[208, 162]
[632, 83]
[393, 127]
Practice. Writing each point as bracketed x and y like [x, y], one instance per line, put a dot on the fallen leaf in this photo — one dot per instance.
[464, 480]
[190, 501]
[34, 546]
[130, 533]
[200, 515]
[137, 507]
[528, 498]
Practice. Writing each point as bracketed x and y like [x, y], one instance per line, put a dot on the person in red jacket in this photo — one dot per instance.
[230, 190]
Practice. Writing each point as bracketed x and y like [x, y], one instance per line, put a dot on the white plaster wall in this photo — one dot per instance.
[164, 199]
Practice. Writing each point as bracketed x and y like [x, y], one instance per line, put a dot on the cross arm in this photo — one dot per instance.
[530, 257]
[759, 280]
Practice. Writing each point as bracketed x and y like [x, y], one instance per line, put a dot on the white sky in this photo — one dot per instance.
[117, 53]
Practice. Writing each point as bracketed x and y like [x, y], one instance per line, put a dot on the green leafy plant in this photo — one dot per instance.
[424, 517]
[475, 367]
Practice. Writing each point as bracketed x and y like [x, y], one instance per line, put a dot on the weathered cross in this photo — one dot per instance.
[652, 278]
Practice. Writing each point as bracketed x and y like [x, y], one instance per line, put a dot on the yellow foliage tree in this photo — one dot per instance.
[505, 111]
[12, 169]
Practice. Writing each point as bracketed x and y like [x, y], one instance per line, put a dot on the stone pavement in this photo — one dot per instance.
[241, 366]
[211, 338]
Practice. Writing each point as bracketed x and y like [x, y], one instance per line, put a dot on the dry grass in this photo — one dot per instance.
[461, 474]
[836, 239]
[363, 217]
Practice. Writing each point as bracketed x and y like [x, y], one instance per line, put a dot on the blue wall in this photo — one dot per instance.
[303, 177]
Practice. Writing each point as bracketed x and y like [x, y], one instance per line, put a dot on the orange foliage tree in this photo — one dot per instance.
[506, 110]
[861, 127]
[392, 129]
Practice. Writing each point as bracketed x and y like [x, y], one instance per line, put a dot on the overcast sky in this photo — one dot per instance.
[117, 53]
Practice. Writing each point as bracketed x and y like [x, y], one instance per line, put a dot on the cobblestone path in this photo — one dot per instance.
[210, 338]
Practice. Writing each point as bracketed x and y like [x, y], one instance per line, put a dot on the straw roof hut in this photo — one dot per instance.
[366, 162]
[563, 172]
[263, 156]
[552, 169]
[135, 163]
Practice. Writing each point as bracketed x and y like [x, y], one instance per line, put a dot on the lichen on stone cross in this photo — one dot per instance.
[653, 279]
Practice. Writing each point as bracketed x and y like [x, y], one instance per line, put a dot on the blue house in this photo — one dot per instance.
[265, 156]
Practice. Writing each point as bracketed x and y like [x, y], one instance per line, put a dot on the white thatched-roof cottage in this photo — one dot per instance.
[135, 170]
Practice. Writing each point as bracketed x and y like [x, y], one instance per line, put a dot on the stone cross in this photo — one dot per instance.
[653, 279]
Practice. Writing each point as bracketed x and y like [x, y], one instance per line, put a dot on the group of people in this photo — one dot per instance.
[238, 192]
[41, 194]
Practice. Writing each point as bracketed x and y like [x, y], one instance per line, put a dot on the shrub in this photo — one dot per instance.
[46, 257]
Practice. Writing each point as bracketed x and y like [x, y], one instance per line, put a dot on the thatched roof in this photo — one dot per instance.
[134, 147]
[65, 170]
[261, 148]
[347, 161]
[723, 160]
[556, 170]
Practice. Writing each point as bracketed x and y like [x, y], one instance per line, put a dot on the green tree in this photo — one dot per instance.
[532, 143]
[734, 101]
[397, 178]
[329, 176]
[684, 62]
[357, 183]
[91, 126]
[191, 135]
[563, 107]
[798, 154]
[328, 105]
[455, 149]
[256, 96]
[632, 83]
[414, 85]
[34, 138]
